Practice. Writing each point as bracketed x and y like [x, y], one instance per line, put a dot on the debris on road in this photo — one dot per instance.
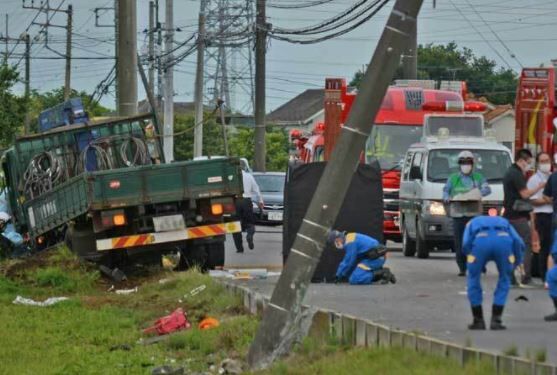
[521, 297]
[176, 321]
[124, 347]
[126, 291]
[115, 274]
[208, 323]
[19, 300]
[243, 274]
[195, 291]
[230, 366]
[163, 370]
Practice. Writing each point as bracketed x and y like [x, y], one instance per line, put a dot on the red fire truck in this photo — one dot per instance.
[535, 110]
[398, 125]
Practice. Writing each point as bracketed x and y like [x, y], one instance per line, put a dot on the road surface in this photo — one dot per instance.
[429, 297]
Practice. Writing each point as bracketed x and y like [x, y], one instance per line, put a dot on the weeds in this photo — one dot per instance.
[511, 351]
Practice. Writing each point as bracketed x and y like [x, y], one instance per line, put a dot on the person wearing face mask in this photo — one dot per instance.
[364, 259]
[463, 182]
[516, 201]
[543, 213]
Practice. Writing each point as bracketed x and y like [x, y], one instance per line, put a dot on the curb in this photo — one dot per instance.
[353, 331]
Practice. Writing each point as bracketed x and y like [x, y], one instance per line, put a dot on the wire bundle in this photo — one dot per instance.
[341, 24]
[45, 170]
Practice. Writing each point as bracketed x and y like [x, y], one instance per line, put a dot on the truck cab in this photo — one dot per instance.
[427, 165]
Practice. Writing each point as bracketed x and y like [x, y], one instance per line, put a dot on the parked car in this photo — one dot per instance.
[271, 185]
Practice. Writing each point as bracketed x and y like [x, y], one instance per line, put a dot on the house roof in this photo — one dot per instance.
[496, 111]
[299, 109]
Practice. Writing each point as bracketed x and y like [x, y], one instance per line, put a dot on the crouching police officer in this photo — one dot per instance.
[551, 279]
[490, 239]
[364, 259]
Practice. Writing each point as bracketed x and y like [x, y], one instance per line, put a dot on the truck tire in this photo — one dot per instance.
[421, 244]
[215, 255]
[408, 244]
[193, 256]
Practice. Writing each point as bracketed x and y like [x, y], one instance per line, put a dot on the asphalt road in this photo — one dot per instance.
[429, 297]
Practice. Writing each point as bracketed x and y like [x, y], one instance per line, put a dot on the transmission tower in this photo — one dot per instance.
[228, 53]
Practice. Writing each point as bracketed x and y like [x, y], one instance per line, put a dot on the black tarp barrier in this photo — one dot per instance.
[362, 210]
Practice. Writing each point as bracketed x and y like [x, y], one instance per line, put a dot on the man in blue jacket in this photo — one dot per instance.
[364, 259]
[488, 239]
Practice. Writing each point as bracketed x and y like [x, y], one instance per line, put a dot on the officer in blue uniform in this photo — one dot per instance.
[487, 239]
[364, 259]
[551, 280]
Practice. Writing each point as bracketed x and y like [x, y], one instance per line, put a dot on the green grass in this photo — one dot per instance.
[76, 336]
[330, 359]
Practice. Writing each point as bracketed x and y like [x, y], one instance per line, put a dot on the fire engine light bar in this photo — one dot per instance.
[454, 106]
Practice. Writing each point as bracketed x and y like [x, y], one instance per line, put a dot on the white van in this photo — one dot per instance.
[426, 167]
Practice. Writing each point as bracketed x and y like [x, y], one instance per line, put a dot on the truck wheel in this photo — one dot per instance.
[81, 241]
[408, 244]
[421, 244]
[193, 256]
[215, 255]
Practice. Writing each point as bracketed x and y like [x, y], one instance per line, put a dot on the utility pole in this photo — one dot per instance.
[158, 59]
[67, 83]
[127, 66]
[169, 83]
[410, 56]
[152, 47]
[260, 51]
[220, 103]
[282, 319]
[199, 79]
[98, 13]
[7, 39]
[27, 81]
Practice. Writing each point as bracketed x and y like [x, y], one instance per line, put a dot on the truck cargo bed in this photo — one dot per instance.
[151, 184]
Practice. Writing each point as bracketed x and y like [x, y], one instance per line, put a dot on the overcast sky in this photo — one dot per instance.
[495, 28]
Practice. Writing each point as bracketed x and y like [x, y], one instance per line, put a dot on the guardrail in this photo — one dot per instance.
[354, 331]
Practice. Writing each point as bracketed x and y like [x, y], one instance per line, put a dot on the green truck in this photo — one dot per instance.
[104, 189]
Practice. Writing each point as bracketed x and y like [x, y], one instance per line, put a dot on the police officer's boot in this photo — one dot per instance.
[384, 276]
[496, 322]
[478, 314]
[552, 317]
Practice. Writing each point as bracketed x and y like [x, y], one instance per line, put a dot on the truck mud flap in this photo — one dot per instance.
[145, 239]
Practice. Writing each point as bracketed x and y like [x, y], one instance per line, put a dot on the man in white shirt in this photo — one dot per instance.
[543, 212]
[244, 210]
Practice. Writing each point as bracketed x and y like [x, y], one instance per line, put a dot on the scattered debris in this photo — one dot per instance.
[126, 291]
[124, 347]
[115, 274]
[243, 274]
[19, 300]
[164, 281]
[230, 366]
[170, 323]
[208, 323]
[167, 370]
[110, 289]
[195, 291]
[521, 297]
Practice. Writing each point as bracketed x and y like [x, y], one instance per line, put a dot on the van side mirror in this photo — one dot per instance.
[415, 173]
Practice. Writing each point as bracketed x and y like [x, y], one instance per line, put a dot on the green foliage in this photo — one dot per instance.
[213, 143]
[511, 350]
[64, 280]
[242, 144]
[12, 107]
[449, 62]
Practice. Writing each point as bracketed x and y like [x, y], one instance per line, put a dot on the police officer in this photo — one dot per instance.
[363, 261]
[551, 279]
[487, 239]
[463, 182]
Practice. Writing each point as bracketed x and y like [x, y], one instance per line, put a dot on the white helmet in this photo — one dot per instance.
[465, 156]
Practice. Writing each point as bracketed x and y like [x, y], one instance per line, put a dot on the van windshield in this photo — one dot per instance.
[492, 164]
[388, 144]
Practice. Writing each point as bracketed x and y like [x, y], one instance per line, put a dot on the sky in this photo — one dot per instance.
[514, 33]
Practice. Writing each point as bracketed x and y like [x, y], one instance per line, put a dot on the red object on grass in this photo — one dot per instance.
[170, 323]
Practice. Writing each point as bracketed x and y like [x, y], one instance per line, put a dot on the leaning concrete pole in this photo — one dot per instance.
[281, 320]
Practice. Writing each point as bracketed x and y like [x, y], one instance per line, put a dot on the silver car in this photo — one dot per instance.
[271, 185]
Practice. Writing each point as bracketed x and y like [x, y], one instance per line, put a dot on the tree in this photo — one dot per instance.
[276, 159]
[12, 107]
[213, 144]
[448, 62]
